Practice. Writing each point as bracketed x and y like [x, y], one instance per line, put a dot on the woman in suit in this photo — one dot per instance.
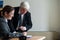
[7, 14]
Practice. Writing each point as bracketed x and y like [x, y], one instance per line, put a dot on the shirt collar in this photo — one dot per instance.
[6, 20]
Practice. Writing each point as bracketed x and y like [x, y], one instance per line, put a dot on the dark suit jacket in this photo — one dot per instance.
[5, 30]
[11, 26]
[26, 19]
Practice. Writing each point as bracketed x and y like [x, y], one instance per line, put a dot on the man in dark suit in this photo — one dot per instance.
[8, 13]
[22, 18]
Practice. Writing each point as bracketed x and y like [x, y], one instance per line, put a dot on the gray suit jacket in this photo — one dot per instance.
[5, 30]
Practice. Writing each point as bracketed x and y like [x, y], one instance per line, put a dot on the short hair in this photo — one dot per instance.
[25, 5]
[7, 9]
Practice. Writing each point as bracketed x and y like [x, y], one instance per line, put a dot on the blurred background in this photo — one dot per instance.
[45, 14]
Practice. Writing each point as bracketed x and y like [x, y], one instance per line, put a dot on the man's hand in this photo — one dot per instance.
[17, 28]
[22, 28]
[25, 33]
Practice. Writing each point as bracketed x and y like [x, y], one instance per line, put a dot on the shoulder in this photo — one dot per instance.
[28, 13]
[2, 20]
[16, 7]
[16, 11]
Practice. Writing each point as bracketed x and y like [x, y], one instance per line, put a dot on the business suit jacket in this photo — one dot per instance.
[26, 19]
[5, 30]
[11, 26]
[9, 23]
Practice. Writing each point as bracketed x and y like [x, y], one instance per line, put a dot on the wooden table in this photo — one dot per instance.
[14, 39]
[32, 38]
[37, 38]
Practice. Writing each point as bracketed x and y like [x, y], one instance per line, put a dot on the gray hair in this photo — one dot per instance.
[25, 5]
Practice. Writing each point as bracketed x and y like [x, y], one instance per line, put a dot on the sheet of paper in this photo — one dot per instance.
[29, 36]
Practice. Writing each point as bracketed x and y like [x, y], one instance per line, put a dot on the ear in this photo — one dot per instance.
[5, 13]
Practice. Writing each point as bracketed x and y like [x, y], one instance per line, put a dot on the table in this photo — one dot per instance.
[14, 39]
[32, 38]
[37, 38]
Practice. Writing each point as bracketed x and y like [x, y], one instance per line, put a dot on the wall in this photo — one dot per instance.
[45, 14]
[59, 14]
[12, 2]
[54, 15]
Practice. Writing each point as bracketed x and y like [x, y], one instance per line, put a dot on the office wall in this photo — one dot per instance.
[54, 15]
[12, 2]
[59, 14]
[45, 14]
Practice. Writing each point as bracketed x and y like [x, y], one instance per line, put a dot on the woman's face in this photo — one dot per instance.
[10, 15]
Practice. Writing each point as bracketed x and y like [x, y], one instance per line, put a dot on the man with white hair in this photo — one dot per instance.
[22, 18]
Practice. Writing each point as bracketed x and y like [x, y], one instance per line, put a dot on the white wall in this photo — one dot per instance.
[45, 14]
[59, 15]
[12, 2]
[40, 15]
[54, 15]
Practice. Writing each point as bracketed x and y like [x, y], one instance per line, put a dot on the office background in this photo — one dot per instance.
[45, 13]
[1, 3]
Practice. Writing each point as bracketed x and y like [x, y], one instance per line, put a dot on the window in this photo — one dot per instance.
[1, 4]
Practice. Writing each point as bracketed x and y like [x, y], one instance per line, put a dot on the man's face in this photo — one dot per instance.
[10, 15]
[23, 10]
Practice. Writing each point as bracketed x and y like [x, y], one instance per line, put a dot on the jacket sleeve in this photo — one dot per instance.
[29, 22]
[4, 28]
